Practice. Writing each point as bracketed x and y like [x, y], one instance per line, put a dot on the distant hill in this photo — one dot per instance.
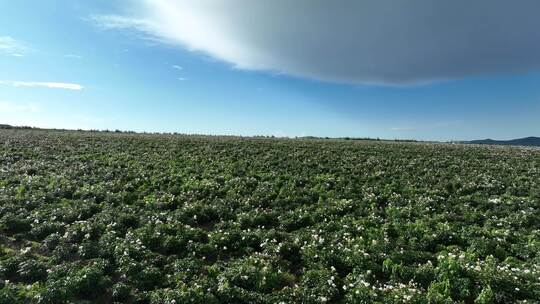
[526, 141]
[6, 126]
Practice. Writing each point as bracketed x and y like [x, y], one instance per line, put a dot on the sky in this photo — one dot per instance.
[417, 69]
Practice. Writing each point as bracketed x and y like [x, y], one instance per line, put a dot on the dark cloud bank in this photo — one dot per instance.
[375, 41]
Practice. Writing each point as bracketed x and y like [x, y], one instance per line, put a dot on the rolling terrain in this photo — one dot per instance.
[526, 141]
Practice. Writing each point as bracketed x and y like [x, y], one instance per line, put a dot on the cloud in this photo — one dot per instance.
[10, 46]
[177, 67]
[8, 107]
[115, 22]
[50, 85]
[119, 22]
[403, 129]
[73, 56]
[369, 41]
[181, 78]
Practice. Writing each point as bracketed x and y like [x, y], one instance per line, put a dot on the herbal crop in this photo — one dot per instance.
[90, 217]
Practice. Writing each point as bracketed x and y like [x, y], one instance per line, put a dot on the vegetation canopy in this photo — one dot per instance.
[90, 217]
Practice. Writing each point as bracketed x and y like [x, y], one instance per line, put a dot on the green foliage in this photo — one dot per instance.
[89, 217]
[486, 296]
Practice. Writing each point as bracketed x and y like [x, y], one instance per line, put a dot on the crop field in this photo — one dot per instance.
[95, 217]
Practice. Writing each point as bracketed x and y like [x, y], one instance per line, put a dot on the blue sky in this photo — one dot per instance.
[113, 64]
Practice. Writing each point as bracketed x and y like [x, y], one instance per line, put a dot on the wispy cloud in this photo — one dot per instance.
[12, 47]
[143, 28]
[8, 107]
[50, 85]
[120, 22]
[403, 129]
[73, 56]
[177, 67]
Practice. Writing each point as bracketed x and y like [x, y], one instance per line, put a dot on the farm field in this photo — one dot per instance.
[95, 217]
